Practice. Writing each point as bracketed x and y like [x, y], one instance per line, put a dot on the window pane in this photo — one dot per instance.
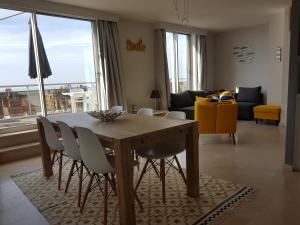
[183, 61]
[178, 61]
[69, 47]
[19, 96]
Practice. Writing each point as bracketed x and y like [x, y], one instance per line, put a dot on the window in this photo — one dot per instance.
[70, 54]
[19, 95]
[70, 88]
[178, 53]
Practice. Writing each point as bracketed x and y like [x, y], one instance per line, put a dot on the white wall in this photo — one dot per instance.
[264, 71]
[138, 67]
[229, 72]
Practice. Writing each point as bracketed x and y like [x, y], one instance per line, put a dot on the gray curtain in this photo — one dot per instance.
[198, 79]
[110, 62]
[161, 67]
[43, 60]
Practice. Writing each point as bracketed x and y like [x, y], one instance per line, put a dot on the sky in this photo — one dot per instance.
[68, 45]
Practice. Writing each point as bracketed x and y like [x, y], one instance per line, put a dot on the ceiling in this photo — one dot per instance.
[214, 15]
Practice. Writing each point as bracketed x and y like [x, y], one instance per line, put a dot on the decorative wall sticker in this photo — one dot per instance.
[244, 54]
[139, 46]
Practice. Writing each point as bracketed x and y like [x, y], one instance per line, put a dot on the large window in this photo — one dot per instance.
[70, 54]
[178, 52]
[70, 88]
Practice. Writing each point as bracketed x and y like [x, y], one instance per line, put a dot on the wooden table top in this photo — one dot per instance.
[126, 126]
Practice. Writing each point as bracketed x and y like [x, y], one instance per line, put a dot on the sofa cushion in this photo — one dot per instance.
[249, 94]
[181, 100]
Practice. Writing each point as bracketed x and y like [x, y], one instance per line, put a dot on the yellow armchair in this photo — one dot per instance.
[216, 118]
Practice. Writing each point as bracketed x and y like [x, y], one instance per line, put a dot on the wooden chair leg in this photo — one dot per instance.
[105, 198]
[112, 182]
[60, 169]
[154, 167]
[88, 189]
[80, 183]
[138, 201]
[180, 169]
[142, 174]
[70, 176]
[87, 170]
[53, 157]
[233, 139]
[163, 179]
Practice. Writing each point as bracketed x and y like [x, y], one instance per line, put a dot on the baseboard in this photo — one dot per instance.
[288, 167]
[282, 124]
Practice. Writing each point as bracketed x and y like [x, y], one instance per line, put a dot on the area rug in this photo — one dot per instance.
[217, 197]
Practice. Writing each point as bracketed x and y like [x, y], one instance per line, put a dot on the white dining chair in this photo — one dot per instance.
[94, 157]
[117, 108]
[71, 149]
[165, 152]
[145, 112]
[55, 145]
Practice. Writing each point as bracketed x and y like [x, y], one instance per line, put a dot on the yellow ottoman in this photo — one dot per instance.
[267, 112]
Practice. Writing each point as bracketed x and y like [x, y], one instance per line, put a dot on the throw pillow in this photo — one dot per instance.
[227, 95]
[249, 94]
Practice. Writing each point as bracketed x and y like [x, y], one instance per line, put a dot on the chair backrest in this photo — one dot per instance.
[50, 135]
[145, 112]
[92, 152]
[176, 115]
[71, 146]
[117, 108]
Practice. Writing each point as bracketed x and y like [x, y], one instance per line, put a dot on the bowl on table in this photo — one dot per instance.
[105, 115]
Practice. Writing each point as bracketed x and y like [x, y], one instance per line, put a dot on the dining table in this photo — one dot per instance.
[123, 135]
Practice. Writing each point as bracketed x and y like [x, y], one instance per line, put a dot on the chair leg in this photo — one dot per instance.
[112, 183]
[233, 139]
[53, 158]
[163, 177]
[154, 167]
[80, 183]
[70, 176]
[60, 169]
[88, 189]
[180, 169]
[87, 170]
[105, 198]
[138, 201]
[142, 174]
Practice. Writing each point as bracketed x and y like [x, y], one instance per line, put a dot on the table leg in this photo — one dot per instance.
[192, 162]
[124, 171]
[46, 153]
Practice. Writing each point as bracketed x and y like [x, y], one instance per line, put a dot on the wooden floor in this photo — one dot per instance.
[256, 160]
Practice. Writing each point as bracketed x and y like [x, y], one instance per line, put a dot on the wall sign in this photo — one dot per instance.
[139, 46]
[244, 54]
[278, 54]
